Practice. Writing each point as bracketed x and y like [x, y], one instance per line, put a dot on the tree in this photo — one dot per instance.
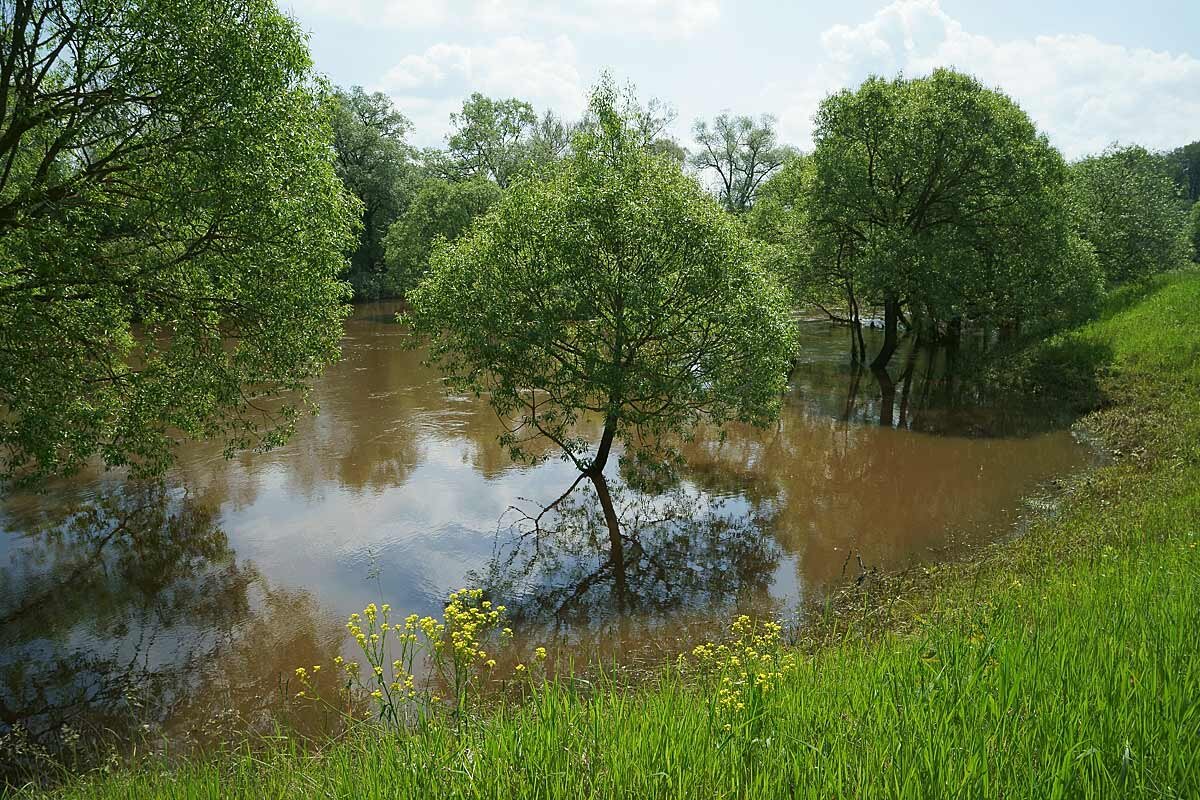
[439, 210]
[1194, 224]
[742, 152]
[548, 142]
[375, 163]
[613, 287]
[171, 230]
[1128, 209]
[1184, 164]
[945, 199]
[648, 124]
[817, 264]
[490, 138]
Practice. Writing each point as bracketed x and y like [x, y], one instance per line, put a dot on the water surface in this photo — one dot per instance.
[184, 608]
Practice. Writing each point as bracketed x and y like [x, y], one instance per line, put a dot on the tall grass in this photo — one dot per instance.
[1065, 664]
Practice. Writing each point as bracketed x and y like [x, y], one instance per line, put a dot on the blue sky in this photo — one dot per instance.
[1119, 71]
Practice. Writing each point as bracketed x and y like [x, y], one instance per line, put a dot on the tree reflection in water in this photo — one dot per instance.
[130, 619]
[679, 559]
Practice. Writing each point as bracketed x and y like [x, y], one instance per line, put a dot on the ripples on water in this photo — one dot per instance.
[184, 608]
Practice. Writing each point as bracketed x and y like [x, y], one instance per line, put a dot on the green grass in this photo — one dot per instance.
[1063, 664]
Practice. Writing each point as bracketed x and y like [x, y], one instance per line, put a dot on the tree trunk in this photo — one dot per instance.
[606, 440]
[887, 396]
[616, 545]
[906, 382]
[891, 316]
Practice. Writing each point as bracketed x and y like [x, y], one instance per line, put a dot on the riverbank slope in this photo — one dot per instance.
[1065, 663]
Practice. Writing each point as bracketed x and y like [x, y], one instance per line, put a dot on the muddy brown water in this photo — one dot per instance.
[184, 609]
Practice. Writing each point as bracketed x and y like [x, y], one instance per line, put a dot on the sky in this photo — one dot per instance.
[1119, 72]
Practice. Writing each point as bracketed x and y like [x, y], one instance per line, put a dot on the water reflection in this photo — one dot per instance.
[678, 559]
[130, 617]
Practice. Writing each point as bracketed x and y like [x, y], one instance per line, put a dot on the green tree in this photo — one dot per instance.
[614, 287]
[1184, 164]
[548, 142]
[947, 201]
[1194, 224]
[819, 265]
[491, 138]
[1128, 209]
[375, 163]
[742, 152]
[171, 230]
[439, 210]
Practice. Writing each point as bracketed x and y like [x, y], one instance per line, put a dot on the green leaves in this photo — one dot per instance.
[613, 287]
[1128, 208]
[939, 195]
[170, 235]
[375, 164]
[440, 209]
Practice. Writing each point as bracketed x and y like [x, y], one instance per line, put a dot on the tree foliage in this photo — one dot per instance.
[375, 163]
[491, 137]
[1184, 164]
[1129, 210]
[612, 287]
[742, 152]
[943, 202]
[439, 210]
[1194, 231]
[171, 229]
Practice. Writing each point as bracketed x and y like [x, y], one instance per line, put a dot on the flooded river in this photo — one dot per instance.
[185, 607]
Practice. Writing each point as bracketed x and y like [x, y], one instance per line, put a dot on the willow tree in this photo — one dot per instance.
[613, 288]
[949, 200]
[171, 229]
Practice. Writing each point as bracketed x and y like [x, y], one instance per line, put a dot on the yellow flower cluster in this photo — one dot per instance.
[747, 668]
[469, 619]
[453, 650]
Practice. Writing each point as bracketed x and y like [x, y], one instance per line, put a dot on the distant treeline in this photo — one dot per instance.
[927, 203]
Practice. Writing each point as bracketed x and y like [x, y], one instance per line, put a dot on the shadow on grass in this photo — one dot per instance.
[1064, 374]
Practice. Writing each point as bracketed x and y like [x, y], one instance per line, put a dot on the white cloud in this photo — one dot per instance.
[429, 86]
[1084, 93]
[658, 18]
[387, 13]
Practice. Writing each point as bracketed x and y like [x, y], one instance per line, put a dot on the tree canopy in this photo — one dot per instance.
[439, 210]
[1129, 210]
[1184, 164]
[375, 163]
[943, 200]
[491, 137]
[171, 230]
[614, 287]
[742, 152]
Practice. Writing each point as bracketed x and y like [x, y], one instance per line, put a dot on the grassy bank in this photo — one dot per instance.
[1063, 664]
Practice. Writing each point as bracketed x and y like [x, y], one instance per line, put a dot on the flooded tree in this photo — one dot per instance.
[612, 288]
[943, 203]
